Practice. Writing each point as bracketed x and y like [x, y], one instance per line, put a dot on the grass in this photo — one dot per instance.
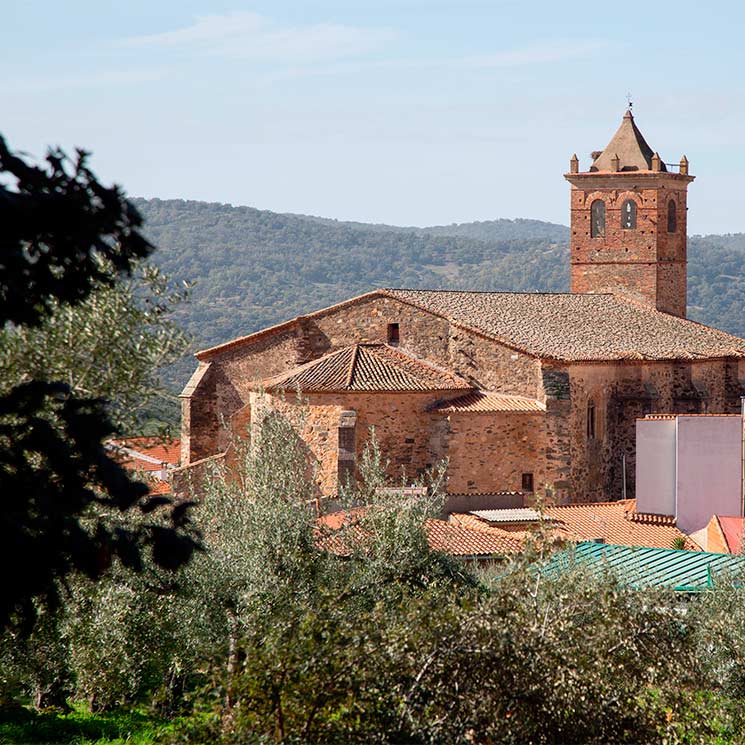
[80, 727]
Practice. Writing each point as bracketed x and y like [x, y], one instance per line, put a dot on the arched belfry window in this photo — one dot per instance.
[597, 219]
[672, 217]
[628, 215]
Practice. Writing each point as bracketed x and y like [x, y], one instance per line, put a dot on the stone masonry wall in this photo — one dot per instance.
[623, 392]
[489, 452]
[411, 436]
[234, 372]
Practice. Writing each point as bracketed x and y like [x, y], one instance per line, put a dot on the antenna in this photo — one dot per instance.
[629, 101]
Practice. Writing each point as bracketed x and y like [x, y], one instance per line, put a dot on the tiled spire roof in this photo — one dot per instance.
[629, 146]
[367, 367]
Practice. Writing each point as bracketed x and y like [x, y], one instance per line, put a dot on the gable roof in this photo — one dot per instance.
[487, 402]
[367, 367]
[629, 145]
[448, 538]
[566, 327]
[577, 327]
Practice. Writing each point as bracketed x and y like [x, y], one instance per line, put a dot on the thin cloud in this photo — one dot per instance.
[89, 80]
[543, 53]
[247, 35]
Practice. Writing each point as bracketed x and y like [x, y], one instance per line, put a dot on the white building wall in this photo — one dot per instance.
[655, 466]
[709, 467]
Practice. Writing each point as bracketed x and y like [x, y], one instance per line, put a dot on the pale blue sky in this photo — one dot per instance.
[409, 112]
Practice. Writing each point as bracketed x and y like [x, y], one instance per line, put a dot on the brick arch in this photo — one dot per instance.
[602, 195]
[622, 196]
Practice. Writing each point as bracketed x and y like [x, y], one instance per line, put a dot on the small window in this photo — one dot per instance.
[590, 420]
[672, 217]
[527, 482]
[597, 219]
[628, 215]
[393, 333]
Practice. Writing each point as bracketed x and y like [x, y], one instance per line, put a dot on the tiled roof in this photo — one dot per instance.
[614, 522]
[158, 486]
[682, 416]
[367, 367]
[147, 453]
[483, 401]
[629, 145]
[617, 522]
[457, 540]
[577, 327]
[448, 538]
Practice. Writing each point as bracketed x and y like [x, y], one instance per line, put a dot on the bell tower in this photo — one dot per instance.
[628, 223]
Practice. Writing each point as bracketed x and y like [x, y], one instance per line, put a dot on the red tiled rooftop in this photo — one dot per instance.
[577, 326]
[166, 453]
[571, 327]
[157, 486]
[614, 522]
[367, 367]
[448, 538]
[484, 401]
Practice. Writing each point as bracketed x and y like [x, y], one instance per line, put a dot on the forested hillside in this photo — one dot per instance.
[254, 268]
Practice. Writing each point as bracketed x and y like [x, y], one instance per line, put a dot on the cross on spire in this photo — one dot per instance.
[629, 101]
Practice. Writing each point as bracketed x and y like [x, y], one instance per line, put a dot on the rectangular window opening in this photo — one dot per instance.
[527, 485]
[394, 335]
[590, 421]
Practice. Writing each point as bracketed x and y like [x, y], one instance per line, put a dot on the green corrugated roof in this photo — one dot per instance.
[684, 571]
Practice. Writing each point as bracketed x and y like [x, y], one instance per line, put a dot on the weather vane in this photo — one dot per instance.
[630, 102]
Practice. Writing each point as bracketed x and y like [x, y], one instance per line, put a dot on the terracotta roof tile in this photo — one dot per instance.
[483, 401]
[614, 522]
[619, 523]
[576, 327]
[629, 145]
[147, 453]
[458, 540]
[446, 537]
[157, 486]
[367, 367]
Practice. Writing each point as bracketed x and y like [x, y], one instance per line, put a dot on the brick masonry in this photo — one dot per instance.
[646, 263]
[486, 452]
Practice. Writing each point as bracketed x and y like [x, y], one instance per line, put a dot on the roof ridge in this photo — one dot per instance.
[352, 365]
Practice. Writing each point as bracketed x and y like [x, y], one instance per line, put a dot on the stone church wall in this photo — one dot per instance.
[621, 393]
[233, 373]
[490, 452]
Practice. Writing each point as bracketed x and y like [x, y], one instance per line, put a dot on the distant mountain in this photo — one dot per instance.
[488, 230]
[254, 268]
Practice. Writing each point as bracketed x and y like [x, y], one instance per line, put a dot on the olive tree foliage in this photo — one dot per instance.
[65, 236]
[109, 346]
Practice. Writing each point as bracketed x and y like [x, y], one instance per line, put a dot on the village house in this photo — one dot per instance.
[516, 390]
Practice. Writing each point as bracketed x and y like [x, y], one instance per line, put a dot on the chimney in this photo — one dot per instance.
[615, 162]
[574, 164]
[684, 166]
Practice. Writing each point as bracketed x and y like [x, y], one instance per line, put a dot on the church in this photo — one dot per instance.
[520, 393]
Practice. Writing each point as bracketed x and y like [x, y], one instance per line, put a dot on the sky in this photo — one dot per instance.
[410, 112]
